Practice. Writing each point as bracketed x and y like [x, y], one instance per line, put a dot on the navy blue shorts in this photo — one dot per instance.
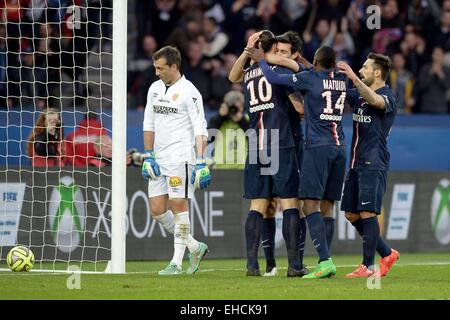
[322, 173]
[364, 191]
[282, 183]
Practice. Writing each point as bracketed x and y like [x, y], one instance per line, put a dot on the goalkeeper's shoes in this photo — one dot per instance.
[150, 169]
[325, 269]
[171, 270]
[386, 263]
[361, 272]
[196, 257]
[271, 273]
[201, 178]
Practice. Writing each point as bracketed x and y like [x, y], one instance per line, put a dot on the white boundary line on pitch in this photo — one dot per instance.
[63, 272]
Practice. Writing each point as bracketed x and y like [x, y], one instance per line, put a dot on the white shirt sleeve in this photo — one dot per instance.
[196, 113]
[149, 116]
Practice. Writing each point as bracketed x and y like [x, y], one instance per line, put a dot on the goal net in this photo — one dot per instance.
[57, 131]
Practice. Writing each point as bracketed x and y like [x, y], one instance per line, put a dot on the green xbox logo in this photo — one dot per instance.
[440, 212]
[66, 215]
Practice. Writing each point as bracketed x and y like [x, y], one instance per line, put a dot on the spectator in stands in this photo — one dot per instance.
[269, 16]
[341, 42]
[433, 84]
[188, 30]
[413, 49]
[141, 73]
[164, 16]
[27, 83]
[194, 70]
[215, 39]
[89, 144]
[402, 82]
[45, 146]
[441, 36]
[230, 142]
[313, 40]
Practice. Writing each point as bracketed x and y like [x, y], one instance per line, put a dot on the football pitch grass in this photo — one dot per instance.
[414, 276]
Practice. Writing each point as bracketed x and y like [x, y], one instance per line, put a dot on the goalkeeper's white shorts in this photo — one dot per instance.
[175, 181]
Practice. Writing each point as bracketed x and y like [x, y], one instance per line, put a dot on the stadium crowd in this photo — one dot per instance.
[37, 49]
[212, 33]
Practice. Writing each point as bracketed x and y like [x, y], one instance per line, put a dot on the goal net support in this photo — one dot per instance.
[63, 68]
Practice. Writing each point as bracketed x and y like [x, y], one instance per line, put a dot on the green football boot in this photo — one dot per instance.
[196, 257]
[325, 269]
[171, 270]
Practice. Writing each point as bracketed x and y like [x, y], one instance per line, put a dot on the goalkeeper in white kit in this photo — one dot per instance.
[175, 139]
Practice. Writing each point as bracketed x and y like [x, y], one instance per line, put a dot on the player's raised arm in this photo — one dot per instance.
[372, 98]
[237, 71]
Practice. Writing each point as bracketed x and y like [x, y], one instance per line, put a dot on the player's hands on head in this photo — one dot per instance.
[256, 54]
[253, 39]
[150, 169]
[201, 178]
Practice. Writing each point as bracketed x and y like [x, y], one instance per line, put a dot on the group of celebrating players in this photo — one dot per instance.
[282, 90]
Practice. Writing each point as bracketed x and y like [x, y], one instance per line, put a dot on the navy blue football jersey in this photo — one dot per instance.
[269, 108]
[371, 128]
[324, 94]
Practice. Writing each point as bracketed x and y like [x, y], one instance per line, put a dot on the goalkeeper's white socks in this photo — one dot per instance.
[181, 236]
[167, 220]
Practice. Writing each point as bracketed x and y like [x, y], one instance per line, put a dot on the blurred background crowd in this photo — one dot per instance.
[41, 57]
[211, 34]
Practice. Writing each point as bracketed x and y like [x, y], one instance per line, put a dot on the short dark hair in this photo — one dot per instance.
[326, 57]
[267, 39]
[171, 54]
[381, 62]
[294, 39]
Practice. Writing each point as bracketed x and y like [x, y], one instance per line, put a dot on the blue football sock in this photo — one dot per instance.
[317, 231]
[371, 234]
[253, 226]
[329, 227]
[268, 242]
[291, 221]
[301, 250]
[382, 248]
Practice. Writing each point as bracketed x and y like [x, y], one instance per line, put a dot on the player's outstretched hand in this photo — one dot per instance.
[256, 54]
[150, 169]
[347, 70]
[201, 178]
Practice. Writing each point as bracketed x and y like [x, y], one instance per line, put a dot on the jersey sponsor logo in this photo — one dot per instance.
[262, 107]
[164, 109]
[163, 100]
[175, 182]
[360, 117]
[330, 117]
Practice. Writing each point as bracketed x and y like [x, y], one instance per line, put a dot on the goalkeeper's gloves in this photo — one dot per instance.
[201, 178]
[150, 169]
